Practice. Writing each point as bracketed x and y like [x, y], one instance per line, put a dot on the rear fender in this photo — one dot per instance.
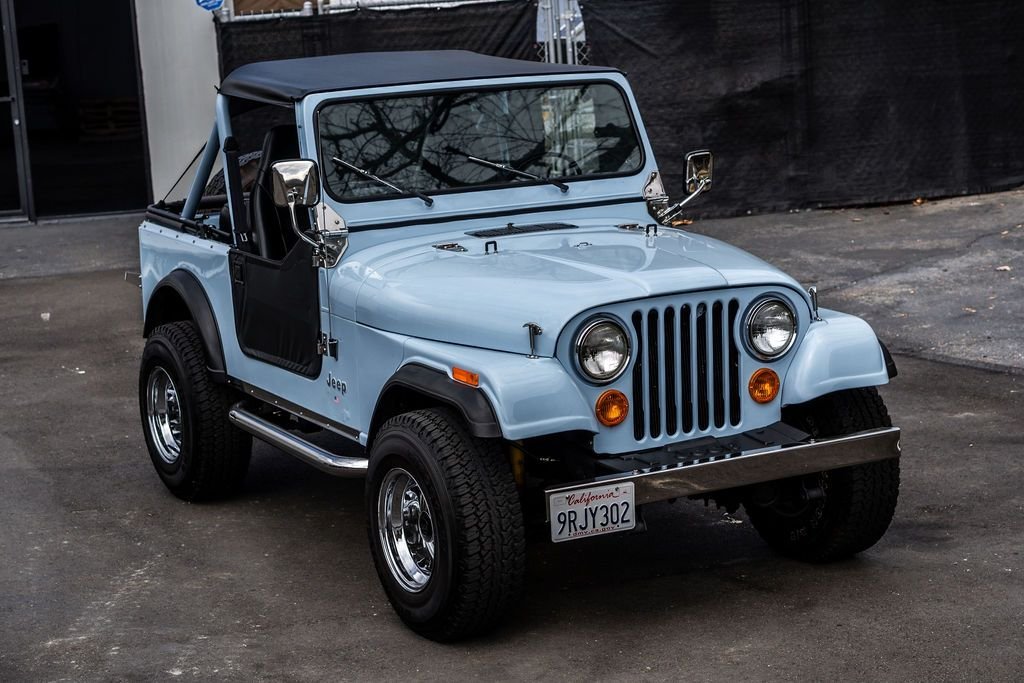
[177, 297]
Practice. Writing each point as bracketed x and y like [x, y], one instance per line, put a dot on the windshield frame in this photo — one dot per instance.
[488, 187]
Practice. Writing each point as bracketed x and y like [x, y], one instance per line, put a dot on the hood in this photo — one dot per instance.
[482, 299]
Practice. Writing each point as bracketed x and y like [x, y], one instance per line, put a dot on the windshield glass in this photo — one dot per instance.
[436, 143]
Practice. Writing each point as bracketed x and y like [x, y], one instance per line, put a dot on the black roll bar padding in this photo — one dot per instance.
[233, 181]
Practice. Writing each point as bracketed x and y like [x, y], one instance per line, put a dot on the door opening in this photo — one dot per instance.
[83, 113]
[15, 193]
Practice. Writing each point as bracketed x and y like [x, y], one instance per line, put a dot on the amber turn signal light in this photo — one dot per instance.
[764, 385]
[466, 377]
[612, 407]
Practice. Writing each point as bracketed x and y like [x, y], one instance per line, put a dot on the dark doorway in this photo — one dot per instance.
[83, 118]
[15, 197]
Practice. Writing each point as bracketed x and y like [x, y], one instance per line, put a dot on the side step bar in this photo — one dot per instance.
[310, 453]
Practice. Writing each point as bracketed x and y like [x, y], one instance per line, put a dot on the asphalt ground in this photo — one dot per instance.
[104, 575]
[941, 280]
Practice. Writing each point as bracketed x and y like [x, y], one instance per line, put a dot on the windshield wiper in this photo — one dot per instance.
[508, 169]
[366, 174]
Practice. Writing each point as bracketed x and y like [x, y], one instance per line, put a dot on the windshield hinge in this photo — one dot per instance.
[325, 346]
[654, 194]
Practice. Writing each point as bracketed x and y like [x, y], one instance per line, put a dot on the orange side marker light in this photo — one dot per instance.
[611, 408]
[764, 385]
[466, 377]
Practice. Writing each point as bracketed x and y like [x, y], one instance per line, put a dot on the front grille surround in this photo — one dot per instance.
[672, 401]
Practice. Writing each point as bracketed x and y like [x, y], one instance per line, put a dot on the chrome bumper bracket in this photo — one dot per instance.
[755, 457]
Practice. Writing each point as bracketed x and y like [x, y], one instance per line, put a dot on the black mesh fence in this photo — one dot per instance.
[505, 29]
[804, 103]
[825, 103]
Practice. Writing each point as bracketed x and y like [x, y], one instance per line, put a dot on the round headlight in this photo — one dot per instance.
[602, 350]
[771, 327]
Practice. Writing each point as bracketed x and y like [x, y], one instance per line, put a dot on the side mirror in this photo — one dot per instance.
[698, 180]
[699, 166]
[296, 183]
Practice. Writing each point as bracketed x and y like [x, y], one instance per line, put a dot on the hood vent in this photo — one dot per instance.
[512, 229]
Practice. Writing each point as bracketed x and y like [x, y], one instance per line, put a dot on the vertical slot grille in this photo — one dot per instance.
[639, 429]
[734, 365]
[718, 376]
[653, 385]
[686, 373]
[687, 363]
[671, 405]
[702, 367]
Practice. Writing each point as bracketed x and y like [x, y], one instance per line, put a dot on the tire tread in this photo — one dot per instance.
[491, 543]
[866, 495]
[221, 457]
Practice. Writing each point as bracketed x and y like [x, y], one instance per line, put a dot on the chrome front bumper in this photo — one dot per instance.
[719, 465]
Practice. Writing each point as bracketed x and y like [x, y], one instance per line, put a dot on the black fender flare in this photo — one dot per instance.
[436, 385]
[890, 364]
[179, 296]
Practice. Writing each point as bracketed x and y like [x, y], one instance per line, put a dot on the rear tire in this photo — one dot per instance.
[445, 525]
[858, 502]
[197, 452]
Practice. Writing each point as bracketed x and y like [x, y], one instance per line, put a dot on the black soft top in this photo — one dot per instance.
[286, 81]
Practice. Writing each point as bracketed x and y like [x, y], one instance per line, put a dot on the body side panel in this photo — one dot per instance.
[164, 250]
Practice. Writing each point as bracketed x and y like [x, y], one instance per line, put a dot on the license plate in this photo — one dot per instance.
[591, 512]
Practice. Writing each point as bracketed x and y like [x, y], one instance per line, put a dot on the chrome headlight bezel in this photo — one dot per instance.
[586, 328]
[756, 307]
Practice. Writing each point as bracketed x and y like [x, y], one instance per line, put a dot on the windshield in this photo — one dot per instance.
[437, 142]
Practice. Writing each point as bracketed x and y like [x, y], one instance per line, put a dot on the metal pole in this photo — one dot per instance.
[188, 212]
[552, 31]
[570, 40]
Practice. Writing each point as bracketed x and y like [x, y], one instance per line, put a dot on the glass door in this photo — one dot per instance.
[15, 197]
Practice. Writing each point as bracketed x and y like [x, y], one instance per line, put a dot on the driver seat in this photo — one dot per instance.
[271, 224]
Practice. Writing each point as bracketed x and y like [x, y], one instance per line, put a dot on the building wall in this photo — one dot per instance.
[178, 57]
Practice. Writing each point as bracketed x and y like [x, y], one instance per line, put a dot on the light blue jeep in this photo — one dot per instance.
[468, 269]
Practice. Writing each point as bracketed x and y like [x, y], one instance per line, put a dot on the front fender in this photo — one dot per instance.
[529, 396]
[839, 352]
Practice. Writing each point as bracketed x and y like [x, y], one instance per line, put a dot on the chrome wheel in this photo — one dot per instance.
[406, 528]
[163, 412]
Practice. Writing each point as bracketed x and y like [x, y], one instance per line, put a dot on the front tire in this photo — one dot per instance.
[836, 514]
[445, 525]
[197, 452]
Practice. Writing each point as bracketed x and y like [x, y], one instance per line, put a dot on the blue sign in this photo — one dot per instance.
[211, 5]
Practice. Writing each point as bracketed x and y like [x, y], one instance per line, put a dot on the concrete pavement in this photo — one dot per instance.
[69, 246]
[106, 576]
[942, 280]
